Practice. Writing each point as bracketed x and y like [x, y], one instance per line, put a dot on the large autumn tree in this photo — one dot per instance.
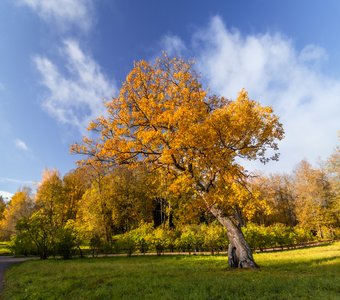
[163, 118]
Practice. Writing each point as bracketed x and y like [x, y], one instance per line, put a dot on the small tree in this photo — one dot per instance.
[38, 230]
[20, 207]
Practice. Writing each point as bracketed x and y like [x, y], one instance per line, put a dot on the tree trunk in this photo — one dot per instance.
[239, 252]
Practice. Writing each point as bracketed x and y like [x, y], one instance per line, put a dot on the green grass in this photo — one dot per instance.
[311, 273]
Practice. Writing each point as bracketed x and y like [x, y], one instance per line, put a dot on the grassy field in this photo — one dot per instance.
[310, 273]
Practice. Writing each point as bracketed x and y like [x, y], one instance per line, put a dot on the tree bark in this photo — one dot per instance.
[239, 252]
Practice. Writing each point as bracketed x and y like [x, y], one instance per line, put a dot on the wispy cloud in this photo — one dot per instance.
[63, 13]
[76, 97]
[173, 45]
[13, 185]
[20, 144]
[276, 73]
[18, 181]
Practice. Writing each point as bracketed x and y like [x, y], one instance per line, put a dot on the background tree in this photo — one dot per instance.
[35, 230]
[314, 198]
[75, 184]
[50, 197]
[118, 202]
[163, 118]
[278, 193]
[134, 192]
[21, 206]
[57, 203]
[333, 169]
[2, 207]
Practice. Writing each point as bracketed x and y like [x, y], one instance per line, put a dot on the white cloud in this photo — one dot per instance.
[173, 45]
[6, 195]
[277, 74]
[76, 97]
[20, 145]
[63, 12]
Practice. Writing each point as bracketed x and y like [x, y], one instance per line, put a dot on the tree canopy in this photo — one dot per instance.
[164, 119]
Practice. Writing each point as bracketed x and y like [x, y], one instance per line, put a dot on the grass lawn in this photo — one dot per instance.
[310, 273]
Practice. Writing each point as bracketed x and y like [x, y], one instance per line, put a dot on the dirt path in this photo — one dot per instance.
[7, 261]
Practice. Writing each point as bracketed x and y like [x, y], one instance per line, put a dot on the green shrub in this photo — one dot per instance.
[214, 237]
[277, 235]
[302, 235]
[257, 236]
[126, 242]
[95, 244]
[191, 239]
[327, 233]
[160, 239]
[141, 236]
[21, 244]
[66, 242]
[281, 235]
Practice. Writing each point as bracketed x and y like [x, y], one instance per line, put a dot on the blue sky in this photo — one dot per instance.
[59, 59]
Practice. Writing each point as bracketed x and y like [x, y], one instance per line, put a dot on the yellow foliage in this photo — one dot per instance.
[164, 119]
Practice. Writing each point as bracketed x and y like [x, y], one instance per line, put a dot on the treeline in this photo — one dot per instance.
[126, 210]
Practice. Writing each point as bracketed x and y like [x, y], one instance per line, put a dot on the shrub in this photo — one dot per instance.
[141, 237]
[214, 237]
[257, 236]
[301, 235]
[191, 239]
[95, 244]
[277, 235]
[21, 244]
[281, 235]
[35, 230]
[126, 242]
[160, 239]
[66, 242]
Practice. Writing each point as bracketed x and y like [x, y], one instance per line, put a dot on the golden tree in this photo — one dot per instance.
[163, 118]
[316, 201]
[21, 206]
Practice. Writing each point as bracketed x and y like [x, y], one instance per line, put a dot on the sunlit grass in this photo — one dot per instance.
[311, 273]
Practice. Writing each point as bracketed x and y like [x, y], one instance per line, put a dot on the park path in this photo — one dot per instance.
[7, 261]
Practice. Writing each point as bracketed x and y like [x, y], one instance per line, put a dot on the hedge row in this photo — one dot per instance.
[146, 238]
[278, 235]
[199, 238]
[194, 238]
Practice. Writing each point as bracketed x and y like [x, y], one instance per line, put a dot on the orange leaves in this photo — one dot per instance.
[163, 118]
[245, 127]
[182, 184]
